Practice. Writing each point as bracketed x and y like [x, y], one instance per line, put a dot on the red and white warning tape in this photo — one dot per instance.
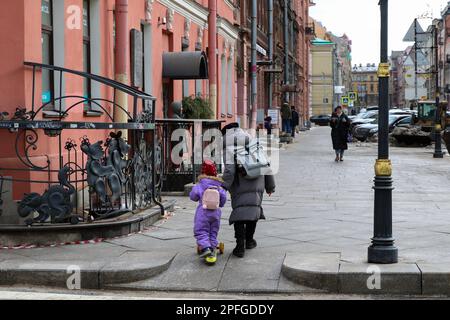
[85, 242]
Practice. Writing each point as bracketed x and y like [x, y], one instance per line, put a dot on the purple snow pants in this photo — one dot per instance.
[206, 227]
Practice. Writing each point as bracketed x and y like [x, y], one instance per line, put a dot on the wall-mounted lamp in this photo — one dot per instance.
[162, 21]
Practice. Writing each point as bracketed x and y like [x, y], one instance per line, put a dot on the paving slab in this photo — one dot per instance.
[186, 273]
[258, 272]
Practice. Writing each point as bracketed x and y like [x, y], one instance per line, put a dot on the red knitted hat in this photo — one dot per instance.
[209, 168]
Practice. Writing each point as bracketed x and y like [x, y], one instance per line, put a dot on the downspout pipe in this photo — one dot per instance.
[254, 68]
[286, 48]
[121, 60]
[270, 14]
[212, 55]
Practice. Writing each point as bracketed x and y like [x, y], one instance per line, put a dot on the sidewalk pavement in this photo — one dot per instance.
[318, 228]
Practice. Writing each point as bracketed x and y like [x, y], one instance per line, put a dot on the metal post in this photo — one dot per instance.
[286, 48]
[382, 250]
[438, 154]
[212, 55]
[416, 94]
[254, 68]
[270, 12]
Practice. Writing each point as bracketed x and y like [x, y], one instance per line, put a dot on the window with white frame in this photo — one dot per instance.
[47, 50]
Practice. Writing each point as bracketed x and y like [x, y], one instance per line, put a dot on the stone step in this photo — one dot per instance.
[328, 272]
[96, 273]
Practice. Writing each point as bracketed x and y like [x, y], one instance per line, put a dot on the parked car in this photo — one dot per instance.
[321, 120]
[365, 131]
[364, 118]
[400, 112]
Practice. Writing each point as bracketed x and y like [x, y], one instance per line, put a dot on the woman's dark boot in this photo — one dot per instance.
[250, 242]
[239, 234]
[239, 251]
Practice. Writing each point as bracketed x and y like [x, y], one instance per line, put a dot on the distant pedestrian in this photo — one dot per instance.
[340, 125]
[268, 125]
[295, 121]
[286, 116]
[211, 197]
[246, 193]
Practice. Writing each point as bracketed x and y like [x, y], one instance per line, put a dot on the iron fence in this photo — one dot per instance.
[85, 179]
[183, 149]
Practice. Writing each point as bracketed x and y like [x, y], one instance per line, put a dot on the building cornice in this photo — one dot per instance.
[199, 15]
[227, 30]
[188, 9]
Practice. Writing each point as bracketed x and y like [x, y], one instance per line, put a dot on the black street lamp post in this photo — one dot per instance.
[438, 154]
[382, 250]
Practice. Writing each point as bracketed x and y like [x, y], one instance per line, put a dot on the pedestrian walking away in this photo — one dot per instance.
[286, 117]
[295, 121]
[210, 194]
[340, 125]
[246, 194]
[268, 125]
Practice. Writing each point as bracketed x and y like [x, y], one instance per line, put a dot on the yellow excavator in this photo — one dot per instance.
[423, 125]
[426, 115]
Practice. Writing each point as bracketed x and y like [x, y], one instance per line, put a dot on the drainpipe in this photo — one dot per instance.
[254, 68]
[212, 55]
[286, 48]
[121, 60]
[270, 12]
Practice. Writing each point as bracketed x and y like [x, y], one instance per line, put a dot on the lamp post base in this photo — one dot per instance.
[438, 155]
[383, 254]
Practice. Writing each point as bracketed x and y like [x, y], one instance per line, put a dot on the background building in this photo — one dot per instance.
[365, 84]
[342, 66]
[330, 50]
[323, 79]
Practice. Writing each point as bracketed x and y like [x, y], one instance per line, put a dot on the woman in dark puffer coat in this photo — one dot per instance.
[246, 195]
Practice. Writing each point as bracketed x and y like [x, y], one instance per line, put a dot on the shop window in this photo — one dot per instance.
[47, 51]
[53, 53]
[91, 55]
[86, 48]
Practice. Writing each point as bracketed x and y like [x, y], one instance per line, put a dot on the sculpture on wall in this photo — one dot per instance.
[225, 48]
[55, 204]
[169, 17]
[148, 10]
[199, 43]
[187, 28]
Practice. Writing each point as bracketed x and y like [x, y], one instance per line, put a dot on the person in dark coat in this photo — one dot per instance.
[295, 121]
[268, 125]
[246, 194]
[286, 117]
[340, 125]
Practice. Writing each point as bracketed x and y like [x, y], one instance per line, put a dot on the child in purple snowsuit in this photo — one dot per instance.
[207, 222]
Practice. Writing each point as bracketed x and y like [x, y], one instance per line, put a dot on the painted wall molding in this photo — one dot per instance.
[188, 9]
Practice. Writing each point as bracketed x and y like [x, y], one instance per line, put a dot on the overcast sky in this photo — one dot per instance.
[360, 20]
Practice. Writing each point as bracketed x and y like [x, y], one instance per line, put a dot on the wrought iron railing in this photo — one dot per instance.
[184, 140]
[85, 179]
